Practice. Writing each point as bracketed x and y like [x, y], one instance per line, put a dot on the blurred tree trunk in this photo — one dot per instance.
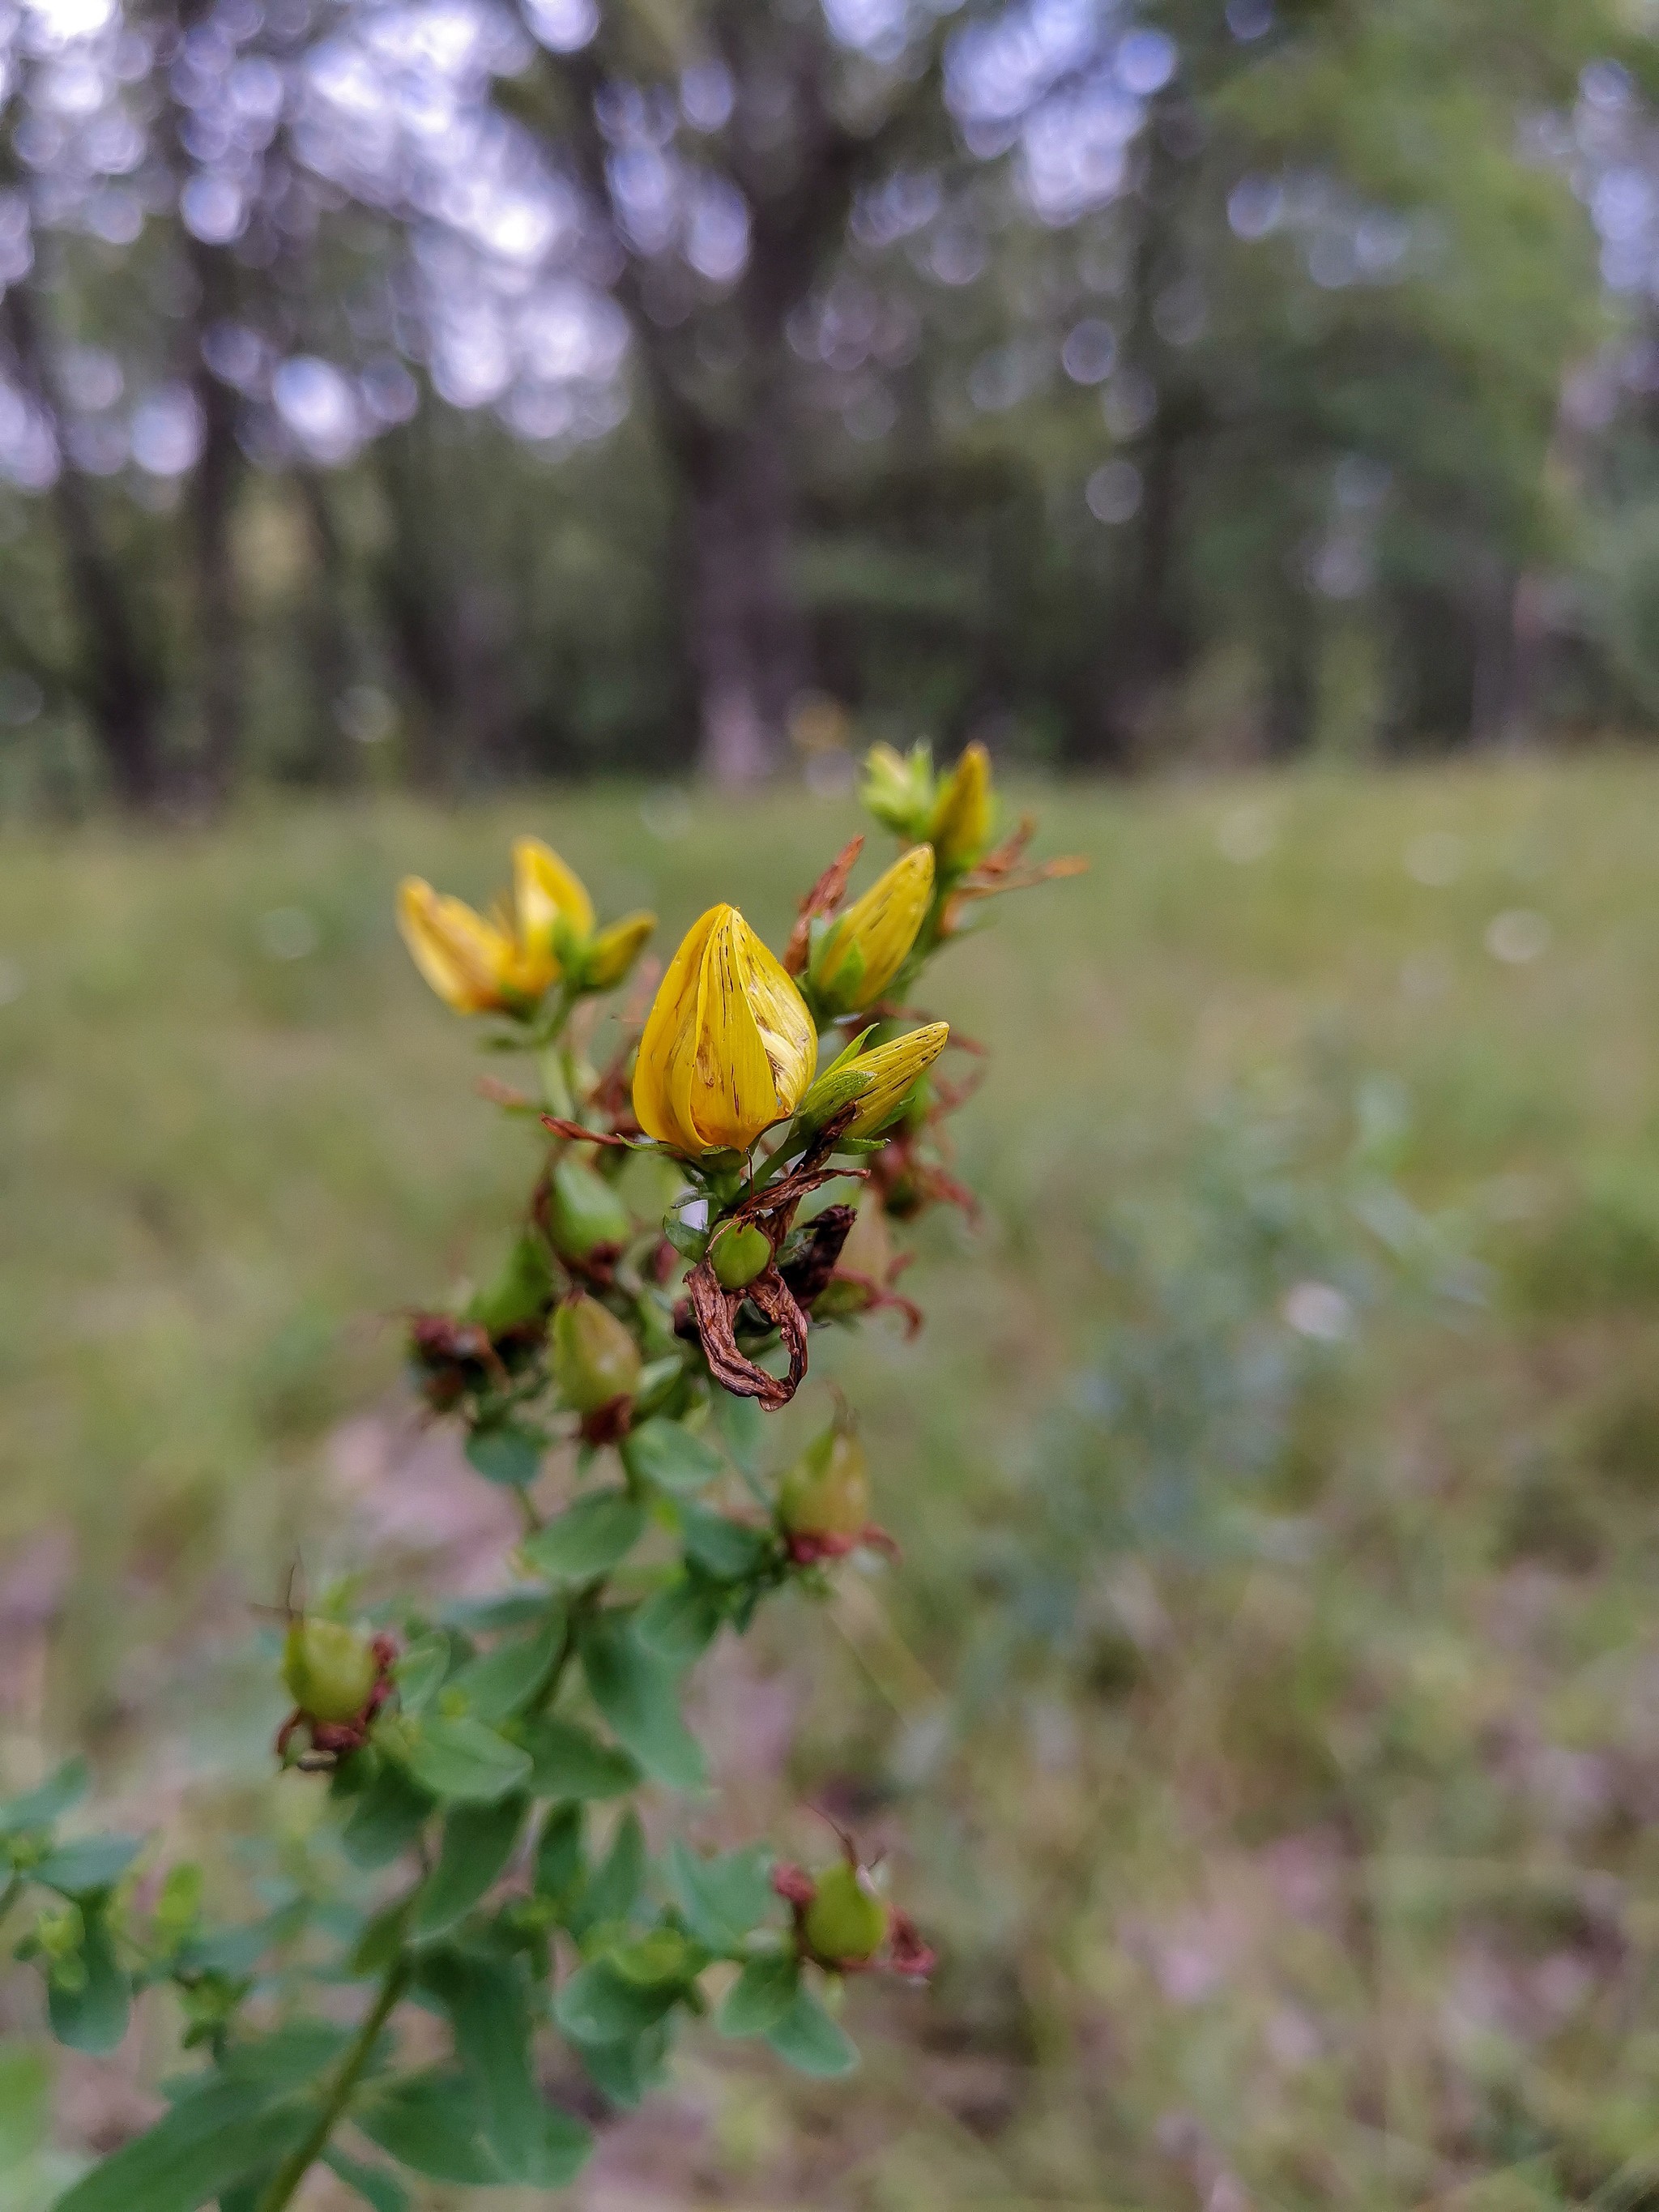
[327, 629]
[218, 609]
[716, 361]
[113, 679]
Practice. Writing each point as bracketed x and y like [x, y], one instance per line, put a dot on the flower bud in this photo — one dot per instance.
[614, 951]
[521, 1293]
[825, 1495]
[846, 1923]
[739, 1252]
[595, 1360]
[329, 1669]
[583, 1212]
[895, 1069]
[898, 787]
[858, 957]
[960, 829]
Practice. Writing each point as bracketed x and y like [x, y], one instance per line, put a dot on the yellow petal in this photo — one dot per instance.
[671, 1020]
[543, 889]
[872, 939]
[615, 951]
[725, 1089]
[787, 1029]
[461, 956]
[896, 1068]
[960, 825]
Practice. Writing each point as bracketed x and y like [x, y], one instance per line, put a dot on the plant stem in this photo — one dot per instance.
[298, 2163]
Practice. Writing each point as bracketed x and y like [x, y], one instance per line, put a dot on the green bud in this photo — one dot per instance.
[583, 1212]
[595, 1360]
[664, 1955]
[520, 1293]
[827, 1491]
[847, 1922]
[740, 1251]
[331, 1671]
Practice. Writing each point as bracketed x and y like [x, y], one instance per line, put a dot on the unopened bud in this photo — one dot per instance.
[739, 1252]
[963, 811]
[595, 1360]
[826, 1494]
[583, 1212]
[329, 1670]
[846, 1923]
[522, 1291]
[614, 951]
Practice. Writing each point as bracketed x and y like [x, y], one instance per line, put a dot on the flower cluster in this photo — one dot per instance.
[726, 1184]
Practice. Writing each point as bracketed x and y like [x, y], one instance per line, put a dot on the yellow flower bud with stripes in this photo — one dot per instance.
[729, 1046]
[859, 955]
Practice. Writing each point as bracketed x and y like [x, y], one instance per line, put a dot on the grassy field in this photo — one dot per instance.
[1267, 1712]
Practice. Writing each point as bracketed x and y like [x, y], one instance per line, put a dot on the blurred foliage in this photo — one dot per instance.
[1124, 385]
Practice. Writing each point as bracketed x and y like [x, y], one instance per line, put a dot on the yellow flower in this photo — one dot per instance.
[728, 1047]
[889, 1074]
[505, 963]
[859, 957]
[960, 829]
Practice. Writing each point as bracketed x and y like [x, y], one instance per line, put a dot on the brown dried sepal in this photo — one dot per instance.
[714, 1310]
[610, 1423]
[825, 895]
[1000, 870]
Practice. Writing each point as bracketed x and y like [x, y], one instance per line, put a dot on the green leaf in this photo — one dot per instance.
[487, 2003]
[93, 1863]
[25, 2102]
[478, 1841]
[670, 1456]
[743, 1427]
[809, 2040]
[385, 1818]
[86, 1865]
[761, 1995]
[680, 1621]
[460, 1758]
[491, 1616]
[587, 1540]
[433, 2124]
[93, 2017]
[420, 1673]
[377, 2188]
[626, 2071]
[284, 2060]
[637, 1693]
[559, 1862]
[728, 1550]
[723, 1899]
[656, 1384]
[503, 1452]
[598, 2005]
[614, 1888]
[569, 1763]
[497, 1684]
[48, 1801]
[194, 2154]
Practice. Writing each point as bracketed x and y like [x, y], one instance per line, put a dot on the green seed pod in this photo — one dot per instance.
[740, 1253]
[595, 1360]
[827, 1491]
[846, 1922]
[583, 1212]
[331, 1671]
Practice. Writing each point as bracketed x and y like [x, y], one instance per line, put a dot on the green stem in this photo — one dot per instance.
[298, 2163]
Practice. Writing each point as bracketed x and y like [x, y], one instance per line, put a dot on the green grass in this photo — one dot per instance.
[1286, 1814]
